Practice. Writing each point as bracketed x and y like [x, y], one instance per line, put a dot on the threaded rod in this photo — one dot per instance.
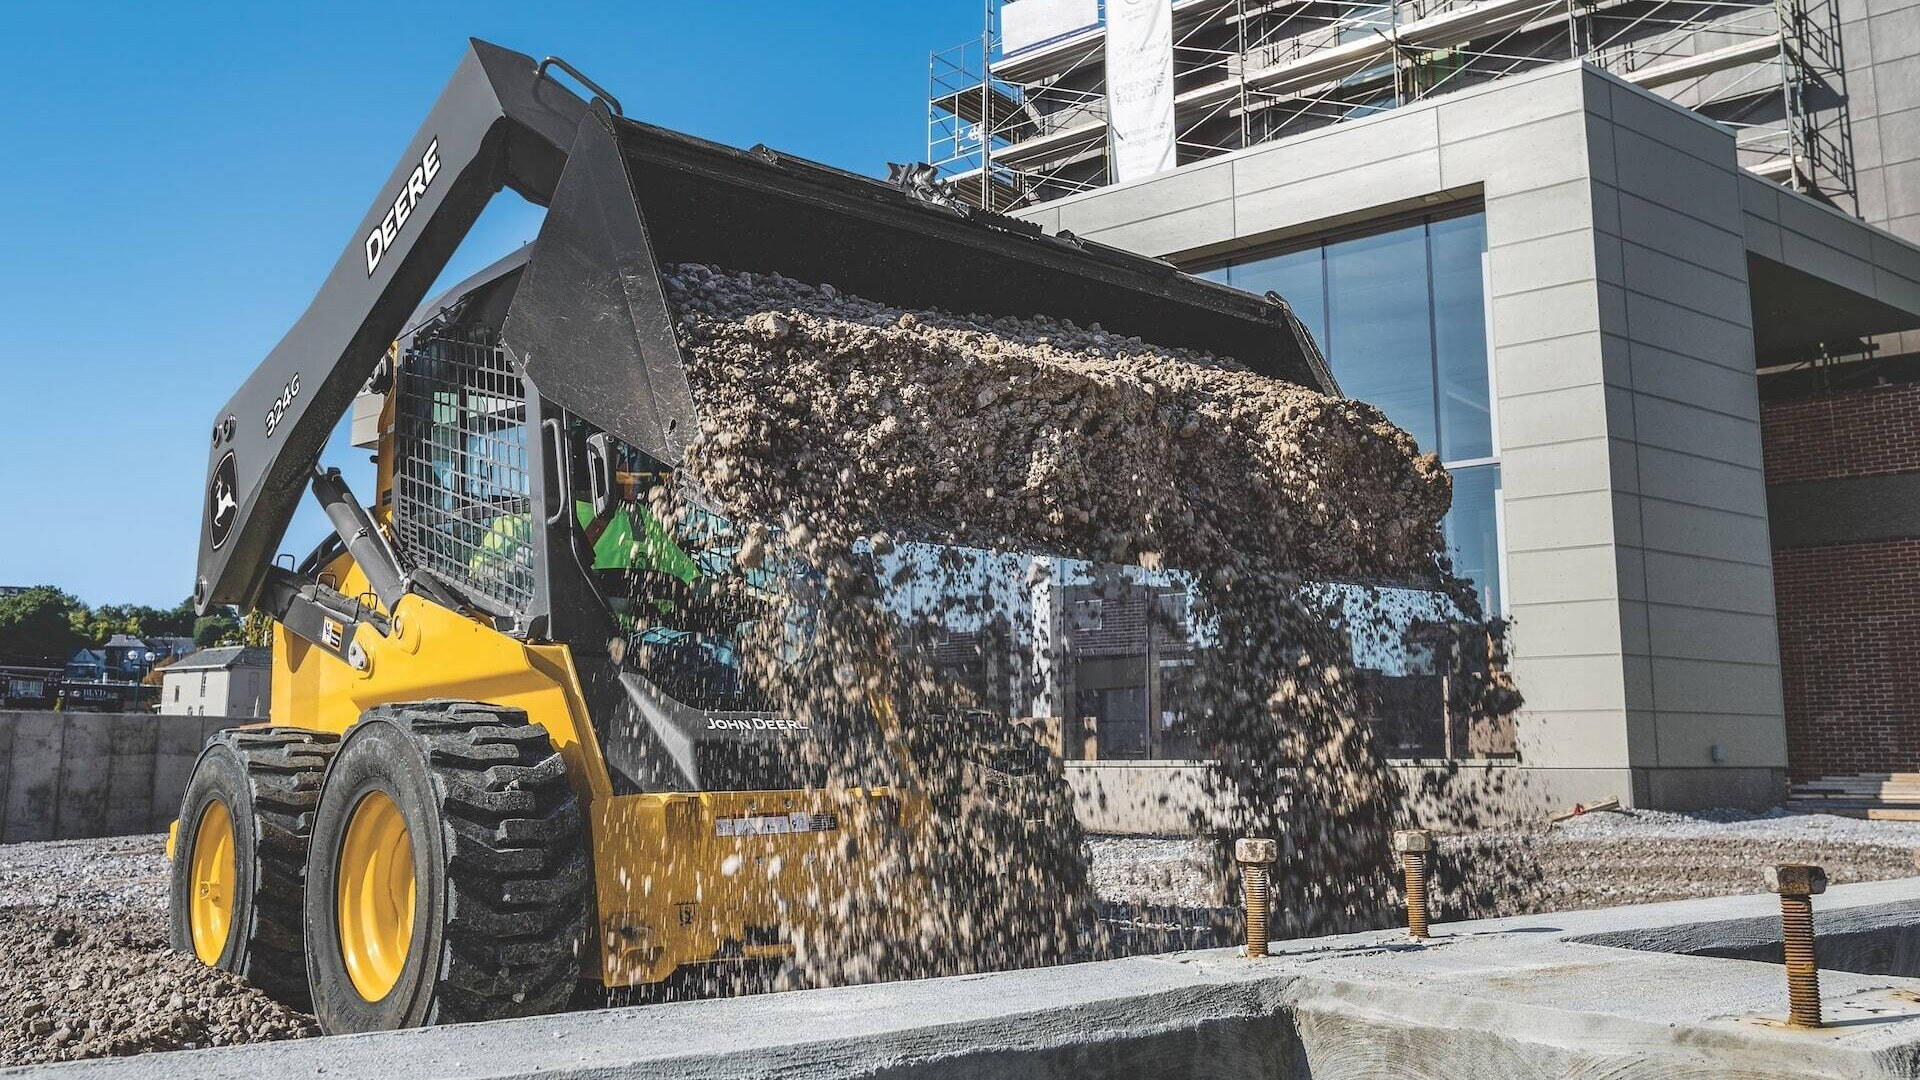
[1254, 888]
[1803, 973]
[1414, 863]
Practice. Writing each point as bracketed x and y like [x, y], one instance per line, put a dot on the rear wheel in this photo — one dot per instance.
[448, 869]
[240, 855]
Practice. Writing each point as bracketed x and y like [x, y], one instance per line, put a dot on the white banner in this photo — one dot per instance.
[1139, 88]
[1029, 24]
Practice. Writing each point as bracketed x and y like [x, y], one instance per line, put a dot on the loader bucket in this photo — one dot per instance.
[589, 324]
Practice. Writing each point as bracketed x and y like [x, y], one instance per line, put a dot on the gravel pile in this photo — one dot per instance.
[88, 971]
[116, 872]
[1776, 824]
[1155, 871]
[1036, 435]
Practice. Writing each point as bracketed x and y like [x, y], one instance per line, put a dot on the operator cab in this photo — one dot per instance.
[566, 536]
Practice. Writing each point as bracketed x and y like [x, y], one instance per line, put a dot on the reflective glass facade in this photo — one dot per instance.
[1401, 315]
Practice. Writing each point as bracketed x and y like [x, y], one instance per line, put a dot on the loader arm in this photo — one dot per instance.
[500, 123]
[588, 324]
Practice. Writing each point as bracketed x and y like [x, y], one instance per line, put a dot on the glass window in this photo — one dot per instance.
[1087, 615]
[1379, 327]
[1400, 315]
[1460, 337]
[1297, 276]
[1473, 531]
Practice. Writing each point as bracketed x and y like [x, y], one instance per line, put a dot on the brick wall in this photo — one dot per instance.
[1862, 433]
[1849, 638]
[1849, 613]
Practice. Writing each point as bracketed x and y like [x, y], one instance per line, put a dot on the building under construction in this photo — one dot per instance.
[1027, 123]
[1641, 272]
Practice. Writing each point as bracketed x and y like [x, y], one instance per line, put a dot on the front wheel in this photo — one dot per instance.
[447, 877]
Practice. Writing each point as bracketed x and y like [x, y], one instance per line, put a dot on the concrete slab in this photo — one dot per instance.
[130, 792]
[33, 768]
[86, 772]
[7, 723]
[1531, 996]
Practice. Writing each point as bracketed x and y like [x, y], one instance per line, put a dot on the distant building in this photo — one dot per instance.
[28, 682]
[170, 648]
[128, 657]
[232, 680]
[87, 665]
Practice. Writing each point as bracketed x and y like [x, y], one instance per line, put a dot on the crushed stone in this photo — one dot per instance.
[1603, 859]
[88, 971]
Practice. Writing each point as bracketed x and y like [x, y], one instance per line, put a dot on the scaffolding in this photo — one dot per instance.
[1013, 130]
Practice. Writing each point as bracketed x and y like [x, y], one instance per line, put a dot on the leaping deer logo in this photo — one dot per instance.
[223, 499]
[223, 502]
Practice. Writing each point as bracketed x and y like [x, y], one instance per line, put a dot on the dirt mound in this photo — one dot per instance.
[101, 982]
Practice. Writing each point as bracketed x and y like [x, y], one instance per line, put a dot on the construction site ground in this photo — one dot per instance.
[85, 970]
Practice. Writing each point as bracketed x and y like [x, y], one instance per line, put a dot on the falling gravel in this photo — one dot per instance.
[846, 441]
[844, 432]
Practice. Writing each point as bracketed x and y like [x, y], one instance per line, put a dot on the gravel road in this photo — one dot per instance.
[88, 972]
[1602, 859]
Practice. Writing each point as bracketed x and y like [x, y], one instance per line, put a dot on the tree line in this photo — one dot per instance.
[48, 622]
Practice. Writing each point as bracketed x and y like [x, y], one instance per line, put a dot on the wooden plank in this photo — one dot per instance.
[1576, 810]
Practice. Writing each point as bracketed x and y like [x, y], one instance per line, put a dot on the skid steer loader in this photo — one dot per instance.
[466, 800]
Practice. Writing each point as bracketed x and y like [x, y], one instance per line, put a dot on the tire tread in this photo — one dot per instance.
[517, 871]
[284, 767]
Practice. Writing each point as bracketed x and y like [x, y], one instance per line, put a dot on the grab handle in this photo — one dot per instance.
[554, 61]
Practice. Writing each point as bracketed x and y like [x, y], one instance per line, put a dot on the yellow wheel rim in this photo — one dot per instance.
[375, 896]
[210, 908]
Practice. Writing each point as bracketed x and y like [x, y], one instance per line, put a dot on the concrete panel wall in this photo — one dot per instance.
[1687, 476]
[69, 775]
[1638, 566]
[1797, 231]
[1166, 798]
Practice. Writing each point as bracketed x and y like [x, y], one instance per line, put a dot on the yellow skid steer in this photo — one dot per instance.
[466, 801]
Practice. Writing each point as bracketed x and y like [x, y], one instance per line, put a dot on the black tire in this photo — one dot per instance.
[269, 780]
[499, 860]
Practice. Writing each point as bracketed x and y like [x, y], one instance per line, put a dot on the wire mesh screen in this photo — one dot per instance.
[463, 504]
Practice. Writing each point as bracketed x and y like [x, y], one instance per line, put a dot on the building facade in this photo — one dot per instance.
[230, 680]
[1573, 288]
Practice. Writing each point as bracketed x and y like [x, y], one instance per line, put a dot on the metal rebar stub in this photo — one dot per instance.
[1797, 884]
[1413, 847]
[1255, 854]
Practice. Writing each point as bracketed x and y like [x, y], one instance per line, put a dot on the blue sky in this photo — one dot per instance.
[176, 178]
